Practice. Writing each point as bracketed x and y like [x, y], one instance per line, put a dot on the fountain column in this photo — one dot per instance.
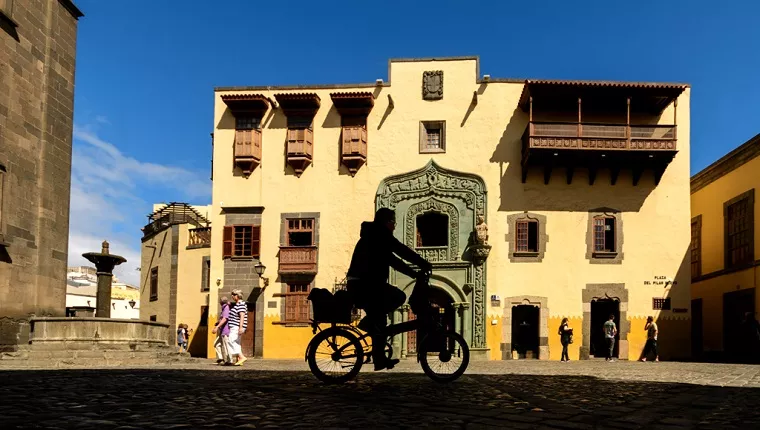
[104, 263]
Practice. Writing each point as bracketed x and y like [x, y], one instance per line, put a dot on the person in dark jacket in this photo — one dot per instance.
[374, 255]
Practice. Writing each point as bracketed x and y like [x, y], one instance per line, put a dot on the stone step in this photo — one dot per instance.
[95, 354]
[90, 362]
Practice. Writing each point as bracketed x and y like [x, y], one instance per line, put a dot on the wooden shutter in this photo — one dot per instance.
[227, 242]
[522, 236]
[599, 234]
[256, 241]
[290, 308]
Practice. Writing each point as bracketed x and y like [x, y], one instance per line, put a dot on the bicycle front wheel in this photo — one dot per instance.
[335, 356]
[444, 356]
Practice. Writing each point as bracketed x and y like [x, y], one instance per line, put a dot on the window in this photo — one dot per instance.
[154, 284]
[247, 123]
[527, 236]
[659, 303]
[241, 241]
[297, 308]
[153, 318]
[604, 234]
[300, 232]
[696, 247]
[432, 230]
[432, 136]
[739, 233]
[206, 274]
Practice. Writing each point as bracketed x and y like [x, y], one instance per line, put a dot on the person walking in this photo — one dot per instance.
[238, 324]
[610, 330]
[651, 345]
[182, 337]
[565, 337]
[222, 331]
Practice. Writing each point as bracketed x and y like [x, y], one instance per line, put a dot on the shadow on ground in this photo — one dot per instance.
[192, 398]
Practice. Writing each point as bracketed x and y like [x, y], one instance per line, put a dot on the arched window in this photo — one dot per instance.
[432, 230]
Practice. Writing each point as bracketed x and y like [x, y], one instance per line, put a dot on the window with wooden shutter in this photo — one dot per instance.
[206, 274]
[300, 232]
[527, 236]
[242, 241]
[739, 231]
[154, 284]
[604, 234]
[696, 247]
[297, 307]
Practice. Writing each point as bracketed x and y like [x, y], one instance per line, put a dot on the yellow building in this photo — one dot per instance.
[175, 269]
[724, 266]
[583, 187]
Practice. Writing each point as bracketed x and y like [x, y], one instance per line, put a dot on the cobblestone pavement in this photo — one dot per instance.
[282, 394]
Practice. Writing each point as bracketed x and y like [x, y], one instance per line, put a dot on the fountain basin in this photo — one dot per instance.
[92, 333]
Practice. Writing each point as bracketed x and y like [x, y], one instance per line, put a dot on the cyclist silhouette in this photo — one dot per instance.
[367, 278]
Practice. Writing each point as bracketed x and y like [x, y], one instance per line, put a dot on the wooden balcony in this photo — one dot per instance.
[199, 237]
[299, 148]
[354, 148]
[247, 150]
[298, 260]
[594, 146]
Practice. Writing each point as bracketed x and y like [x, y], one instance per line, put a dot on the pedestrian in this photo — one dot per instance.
[182, 337]
[238, 324]
[610, 330]
[222, 331]
[651, 345]
[565, 337]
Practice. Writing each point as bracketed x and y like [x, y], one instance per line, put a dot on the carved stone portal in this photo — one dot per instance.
[432, 85]
[462, 197]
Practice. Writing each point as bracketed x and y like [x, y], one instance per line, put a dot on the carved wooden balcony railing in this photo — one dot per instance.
[298, 260]
[247, 149]
[561, 135]
[300, 148]
[199, 237]
[354, 148]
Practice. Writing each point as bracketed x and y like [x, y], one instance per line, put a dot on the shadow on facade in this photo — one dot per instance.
[558, 195]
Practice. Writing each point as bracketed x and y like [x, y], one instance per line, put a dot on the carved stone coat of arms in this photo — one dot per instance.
[432, 85]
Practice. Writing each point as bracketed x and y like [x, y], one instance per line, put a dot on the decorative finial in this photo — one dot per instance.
[105, 248]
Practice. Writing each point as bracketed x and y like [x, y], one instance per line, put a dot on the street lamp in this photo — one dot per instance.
[132, 304]
[259, 269]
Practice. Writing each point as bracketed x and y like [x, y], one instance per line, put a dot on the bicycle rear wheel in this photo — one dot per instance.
[444, 356]
[335, 356]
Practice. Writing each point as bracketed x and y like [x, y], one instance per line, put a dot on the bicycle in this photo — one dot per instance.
[434, 340]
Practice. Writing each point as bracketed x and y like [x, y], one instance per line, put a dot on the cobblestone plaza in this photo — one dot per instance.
[283, 394]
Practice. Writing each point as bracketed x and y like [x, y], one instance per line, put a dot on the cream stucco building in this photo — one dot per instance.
[174, 271]
[583, 186]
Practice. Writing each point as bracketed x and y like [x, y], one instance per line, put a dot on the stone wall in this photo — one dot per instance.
[38, 48]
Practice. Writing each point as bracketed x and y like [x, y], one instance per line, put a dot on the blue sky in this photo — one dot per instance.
[146, 72]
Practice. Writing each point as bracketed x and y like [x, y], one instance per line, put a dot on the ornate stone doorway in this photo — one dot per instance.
[437, 210]
[609, 295]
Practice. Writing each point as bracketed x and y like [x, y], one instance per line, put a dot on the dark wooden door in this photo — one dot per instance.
[736, 305]
[247, 340]
[696, 328]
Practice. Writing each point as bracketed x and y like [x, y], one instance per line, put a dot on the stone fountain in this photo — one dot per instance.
[104, 263]
[99, 340]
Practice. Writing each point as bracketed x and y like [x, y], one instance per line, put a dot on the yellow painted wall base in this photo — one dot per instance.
[284, 342]
[555, 346]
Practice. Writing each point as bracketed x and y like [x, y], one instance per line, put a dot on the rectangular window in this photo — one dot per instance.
[739, 231]
[300, 232]
[432, 136]
[604, 234]
[241, 241]
[527, 236]
[297, 308]
[659, 303]
[206, 274]
[154, 284]
[696, 248]
[247, 123]
[153, 318]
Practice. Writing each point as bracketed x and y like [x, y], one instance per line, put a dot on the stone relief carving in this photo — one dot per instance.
[432, 85]
[434, 205]
[432, 180]
[479, 316]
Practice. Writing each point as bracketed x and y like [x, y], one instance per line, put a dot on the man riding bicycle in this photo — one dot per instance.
[367, 278]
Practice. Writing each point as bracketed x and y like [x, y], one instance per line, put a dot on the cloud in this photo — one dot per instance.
[102, 120]
[111, 194]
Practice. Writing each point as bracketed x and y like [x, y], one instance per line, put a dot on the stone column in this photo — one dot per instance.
[404, 338]
[457, 317]
[103, 309]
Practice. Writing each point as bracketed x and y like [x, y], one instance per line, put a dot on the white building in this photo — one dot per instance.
[82, 289]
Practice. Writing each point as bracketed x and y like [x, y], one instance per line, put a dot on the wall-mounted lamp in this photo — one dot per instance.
[218, 281]
[259, 269]
[132, 304]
